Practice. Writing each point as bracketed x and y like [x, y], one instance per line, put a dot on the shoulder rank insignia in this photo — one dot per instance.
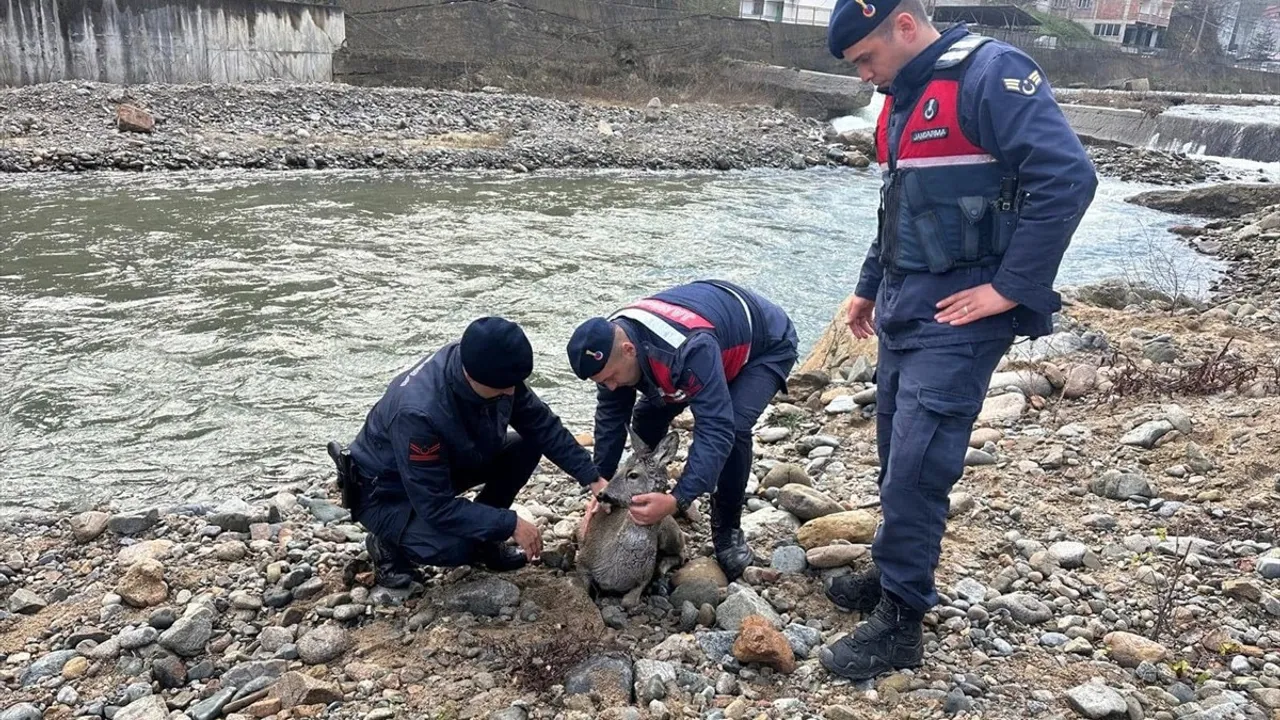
[1026, 86]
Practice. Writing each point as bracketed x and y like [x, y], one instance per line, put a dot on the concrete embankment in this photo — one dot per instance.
[1248, 139]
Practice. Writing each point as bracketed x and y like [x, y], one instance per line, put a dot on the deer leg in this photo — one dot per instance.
[670, 539]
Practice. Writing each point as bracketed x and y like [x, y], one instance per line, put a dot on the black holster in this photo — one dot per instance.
[348, 478]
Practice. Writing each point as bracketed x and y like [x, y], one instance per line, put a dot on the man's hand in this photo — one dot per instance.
[973, 304]
[597, 487]
[529, 539]
[860, 315]
[594, 505]
[650, 508]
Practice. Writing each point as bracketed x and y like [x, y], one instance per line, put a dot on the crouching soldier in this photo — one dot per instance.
[461, 417]
[711, 346]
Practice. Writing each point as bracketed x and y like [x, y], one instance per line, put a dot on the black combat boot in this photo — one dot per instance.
[388, 570]
[856, 592]
[891, 639]
[500, 557]
[733, 554]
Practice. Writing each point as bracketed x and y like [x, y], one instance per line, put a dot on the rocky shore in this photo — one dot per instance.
[1112, 553]
[91, 126]
[76, 127]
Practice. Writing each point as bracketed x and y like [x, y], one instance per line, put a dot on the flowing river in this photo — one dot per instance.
[187, 337]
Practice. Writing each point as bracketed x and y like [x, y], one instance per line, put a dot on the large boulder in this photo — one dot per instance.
[837, 347]
[1227, 200]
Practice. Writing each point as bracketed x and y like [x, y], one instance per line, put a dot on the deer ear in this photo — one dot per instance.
[637, 445]
[666, 449]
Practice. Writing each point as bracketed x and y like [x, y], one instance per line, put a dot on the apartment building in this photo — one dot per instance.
[1130, 23]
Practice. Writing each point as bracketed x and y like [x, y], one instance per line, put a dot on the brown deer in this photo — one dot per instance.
[617, 556]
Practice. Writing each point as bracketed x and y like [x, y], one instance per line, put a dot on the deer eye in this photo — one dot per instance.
[633, 474]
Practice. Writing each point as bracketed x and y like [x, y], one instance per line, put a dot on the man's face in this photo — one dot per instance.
[622, 370]
[880, 56]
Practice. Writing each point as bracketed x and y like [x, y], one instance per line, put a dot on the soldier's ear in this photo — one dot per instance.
[666, 449]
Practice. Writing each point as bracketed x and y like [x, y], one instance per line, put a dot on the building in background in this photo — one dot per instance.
[800, 12]
[1129, 23]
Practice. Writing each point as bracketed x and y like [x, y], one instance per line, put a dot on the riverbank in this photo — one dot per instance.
[1112, 553]
[76, 127]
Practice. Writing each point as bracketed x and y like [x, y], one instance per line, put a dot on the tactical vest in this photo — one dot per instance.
[672, 325]
[945, 202]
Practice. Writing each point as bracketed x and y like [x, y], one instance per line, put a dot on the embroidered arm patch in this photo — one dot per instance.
[1025, 86]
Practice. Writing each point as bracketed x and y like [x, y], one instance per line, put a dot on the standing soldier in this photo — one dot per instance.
[984, 184]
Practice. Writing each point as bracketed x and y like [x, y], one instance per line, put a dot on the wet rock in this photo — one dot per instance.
[295, 688]
[806, 503]
[742, 601]
[133, 523]
[486, 596]
[323, 644]
[608, 676]
[1130, 650]
[759, 641]
[87, 526]
[1097, 702]
[235, 515]
[143, 585]
[855, 526]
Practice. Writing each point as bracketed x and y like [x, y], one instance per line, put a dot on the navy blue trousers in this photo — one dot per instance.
[421, 544]
[750, 392]
[926, 403]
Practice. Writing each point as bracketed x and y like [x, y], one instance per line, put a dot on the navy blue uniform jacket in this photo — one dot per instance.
[1025, 132]
[430, 424]
[697, 367]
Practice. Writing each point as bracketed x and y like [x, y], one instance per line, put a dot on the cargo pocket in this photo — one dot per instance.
[941, 436]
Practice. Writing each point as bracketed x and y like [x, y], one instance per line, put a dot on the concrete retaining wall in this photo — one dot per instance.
[1222, 138]
[178, 41]
[545, 44]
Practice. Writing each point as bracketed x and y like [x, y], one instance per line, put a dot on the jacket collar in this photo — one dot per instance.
[919, 69]
[642, 356]
[458, 379]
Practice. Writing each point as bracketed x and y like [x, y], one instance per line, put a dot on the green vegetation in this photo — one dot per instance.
[1063, 28]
